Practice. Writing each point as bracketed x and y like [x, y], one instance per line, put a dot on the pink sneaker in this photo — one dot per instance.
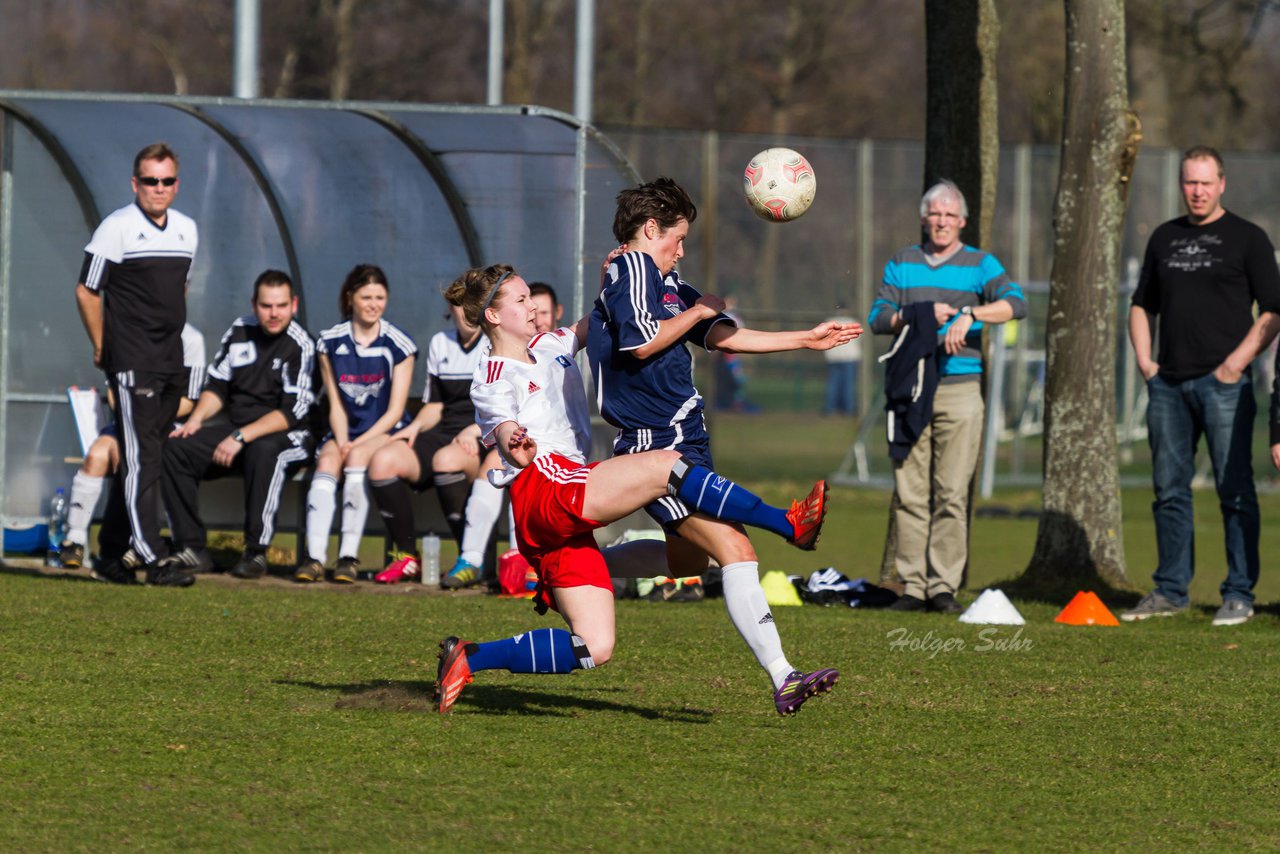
[403, 567]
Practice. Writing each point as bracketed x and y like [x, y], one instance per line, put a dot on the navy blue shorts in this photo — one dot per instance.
[690, 438]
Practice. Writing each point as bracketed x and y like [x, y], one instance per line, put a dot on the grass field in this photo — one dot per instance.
[274, 717]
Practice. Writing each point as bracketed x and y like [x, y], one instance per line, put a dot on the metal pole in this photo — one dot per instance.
[6, 256]
[867, 282]
[246, 49]
[584, 52]
[497, 39]
[1022, 273]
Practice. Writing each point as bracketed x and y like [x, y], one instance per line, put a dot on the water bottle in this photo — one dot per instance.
[57, 525]
[430, 560]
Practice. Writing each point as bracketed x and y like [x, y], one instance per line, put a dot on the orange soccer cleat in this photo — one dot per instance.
[807, 517]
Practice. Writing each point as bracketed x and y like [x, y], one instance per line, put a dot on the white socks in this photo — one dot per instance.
[320, 504]
[749, 611]
[483, 508]
[355, 510]
[85, 490]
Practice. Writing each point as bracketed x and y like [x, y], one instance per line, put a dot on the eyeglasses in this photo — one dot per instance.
[152, 182]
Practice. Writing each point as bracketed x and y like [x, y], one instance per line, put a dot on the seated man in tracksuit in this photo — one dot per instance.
[262, 378]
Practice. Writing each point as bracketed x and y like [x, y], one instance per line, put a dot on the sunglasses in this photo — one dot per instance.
[152, 182]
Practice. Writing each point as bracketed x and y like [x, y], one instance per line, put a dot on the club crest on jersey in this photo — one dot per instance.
[533, 387]
[361, 393]
[671, 303]
[564, 361]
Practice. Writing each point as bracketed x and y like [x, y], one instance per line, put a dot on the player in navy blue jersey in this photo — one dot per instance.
[366, 364]
[132, 300]
[413, 460]
[640, 326]
[530, 404]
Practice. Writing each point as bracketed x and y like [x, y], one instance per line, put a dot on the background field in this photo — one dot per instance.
[275, 717]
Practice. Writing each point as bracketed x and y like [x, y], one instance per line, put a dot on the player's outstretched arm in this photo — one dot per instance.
[824, 336]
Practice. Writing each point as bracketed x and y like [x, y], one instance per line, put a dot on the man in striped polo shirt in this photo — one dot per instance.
[967, 288]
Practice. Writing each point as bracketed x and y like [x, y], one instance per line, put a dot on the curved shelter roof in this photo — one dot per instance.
[313, 188]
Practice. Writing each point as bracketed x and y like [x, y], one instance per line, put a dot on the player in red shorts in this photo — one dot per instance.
[530, 403]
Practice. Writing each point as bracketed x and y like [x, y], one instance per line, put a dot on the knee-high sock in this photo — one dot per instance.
[700, 487]
[454, 488]
[395, 504]
[513, 541]
[483, 508]
[320, 501]
[85, 490]
[355, 511]
[537, 651]
[749, 611]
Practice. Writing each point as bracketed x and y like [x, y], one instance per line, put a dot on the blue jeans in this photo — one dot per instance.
[842, 388]
[1177, 415]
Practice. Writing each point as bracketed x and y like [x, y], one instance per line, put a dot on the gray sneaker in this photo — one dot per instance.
[1233, 612]
[1152, 605]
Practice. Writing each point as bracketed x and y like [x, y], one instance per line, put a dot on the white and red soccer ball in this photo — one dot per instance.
[779, 184]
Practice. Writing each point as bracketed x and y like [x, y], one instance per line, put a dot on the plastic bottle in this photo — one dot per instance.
[430, 560]
[57, 525]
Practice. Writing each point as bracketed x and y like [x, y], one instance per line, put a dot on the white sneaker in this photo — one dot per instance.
[1233, 612]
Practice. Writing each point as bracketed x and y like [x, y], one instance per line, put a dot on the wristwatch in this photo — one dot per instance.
[968, 309]
[238, 436]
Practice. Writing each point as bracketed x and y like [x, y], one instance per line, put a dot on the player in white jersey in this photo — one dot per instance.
[367, 366]
[530, 405]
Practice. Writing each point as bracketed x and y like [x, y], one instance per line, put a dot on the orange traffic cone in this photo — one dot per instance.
[1086, 609]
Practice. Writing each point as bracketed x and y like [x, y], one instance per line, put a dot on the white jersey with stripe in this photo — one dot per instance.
[194, 360]
[546, 396]
[450, 369]
[141, 269]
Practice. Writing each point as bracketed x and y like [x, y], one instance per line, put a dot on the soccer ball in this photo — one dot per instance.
[779, 184]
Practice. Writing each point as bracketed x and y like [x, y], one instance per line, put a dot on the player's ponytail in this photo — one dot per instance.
[478, 289]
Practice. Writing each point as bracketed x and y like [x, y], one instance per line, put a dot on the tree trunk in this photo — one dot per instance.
[1079, 540]
[962, 139]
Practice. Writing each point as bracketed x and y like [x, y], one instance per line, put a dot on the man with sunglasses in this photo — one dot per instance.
[132, 300]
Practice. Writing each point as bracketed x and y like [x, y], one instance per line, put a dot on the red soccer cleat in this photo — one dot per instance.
[807, 517]
[405, 566]
[453, 672]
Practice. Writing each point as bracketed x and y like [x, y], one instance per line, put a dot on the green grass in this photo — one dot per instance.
[271, 717]
[259, 718]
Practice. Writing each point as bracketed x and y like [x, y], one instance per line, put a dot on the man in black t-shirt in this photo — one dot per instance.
[1201, 277]
[132, 300]
[261, 379]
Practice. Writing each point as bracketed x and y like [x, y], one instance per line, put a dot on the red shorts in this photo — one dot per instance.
[553, 534]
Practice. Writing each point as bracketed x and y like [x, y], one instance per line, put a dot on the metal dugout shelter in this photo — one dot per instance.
[313, 188]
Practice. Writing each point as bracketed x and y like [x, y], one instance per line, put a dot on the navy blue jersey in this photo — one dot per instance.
[363, 373]
[652, 393]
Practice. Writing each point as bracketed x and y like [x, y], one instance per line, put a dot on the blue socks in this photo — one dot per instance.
[703, 489]
[537, 651]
